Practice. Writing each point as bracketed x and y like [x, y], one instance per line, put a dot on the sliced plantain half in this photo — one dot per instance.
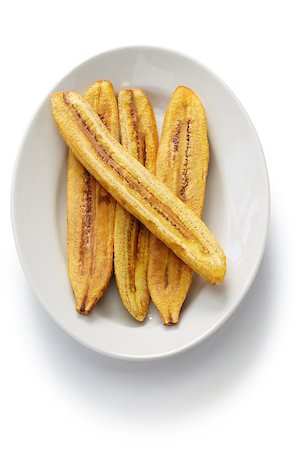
[91, 213]
[182, 164]
[131, 240]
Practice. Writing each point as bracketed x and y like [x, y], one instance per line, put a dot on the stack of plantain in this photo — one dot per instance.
[154, 230]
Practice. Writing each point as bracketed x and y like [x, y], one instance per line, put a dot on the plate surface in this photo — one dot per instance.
[236, 207]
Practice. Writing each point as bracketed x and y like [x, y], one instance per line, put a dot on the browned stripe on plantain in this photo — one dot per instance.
[105, 114]
[104, 120]
[129, 179]
[184, 178]
[174, 143]
[140, 138]
[86, 220]
[166, 274]
[134, 255]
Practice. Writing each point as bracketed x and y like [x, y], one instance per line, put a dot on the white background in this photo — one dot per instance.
[238, 390]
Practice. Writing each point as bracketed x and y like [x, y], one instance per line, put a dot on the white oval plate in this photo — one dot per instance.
[236, 207]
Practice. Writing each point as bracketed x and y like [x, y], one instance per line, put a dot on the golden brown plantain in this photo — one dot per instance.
[138, 191]
[182, 164]
[91, 213]
[131, 238]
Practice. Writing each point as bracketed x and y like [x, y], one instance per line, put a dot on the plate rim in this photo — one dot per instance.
[251, 277]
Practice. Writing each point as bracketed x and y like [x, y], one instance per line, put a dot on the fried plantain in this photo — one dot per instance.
[131, 240]
[182, 164]
[91, 213]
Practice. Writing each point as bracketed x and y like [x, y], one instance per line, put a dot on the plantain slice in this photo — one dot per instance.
[138, 191]
[182, 164]
[131, 239]
[90, 214]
